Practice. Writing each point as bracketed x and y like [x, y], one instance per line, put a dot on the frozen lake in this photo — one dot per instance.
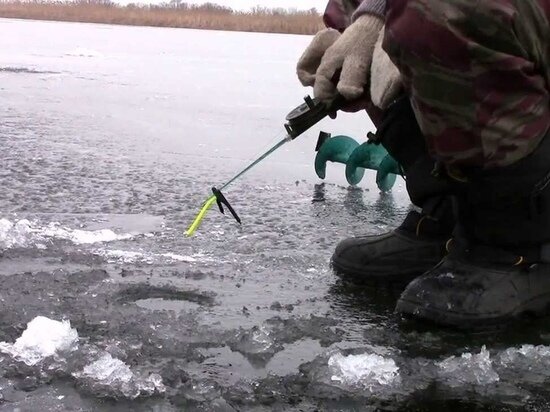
[110, 139]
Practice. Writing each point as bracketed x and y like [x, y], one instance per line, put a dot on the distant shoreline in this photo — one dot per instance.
[173, 14]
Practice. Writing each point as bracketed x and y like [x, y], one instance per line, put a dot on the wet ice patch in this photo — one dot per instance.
[365, 371]
[475, 369]
[110, 376]
[43, 338]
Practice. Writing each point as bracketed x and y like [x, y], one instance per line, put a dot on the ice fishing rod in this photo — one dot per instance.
[299, 120]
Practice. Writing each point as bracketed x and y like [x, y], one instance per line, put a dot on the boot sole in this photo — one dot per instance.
[377, 275]
[538, 307]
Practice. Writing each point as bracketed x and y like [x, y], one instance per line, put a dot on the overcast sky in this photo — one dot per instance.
[247, 4]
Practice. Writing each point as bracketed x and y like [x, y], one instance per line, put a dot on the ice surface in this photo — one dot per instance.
[469, 368]
[112, 377]
[364, 370]
[43, 337]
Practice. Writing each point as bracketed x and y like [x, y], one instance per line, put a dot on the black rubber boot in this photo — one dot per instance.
[419, 242]
[498, 267]
[465, 294]
[396, 257]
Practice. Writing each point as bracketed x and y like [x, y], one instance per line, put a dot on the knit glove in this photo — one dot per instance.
[385, 80]
[352, 54]
[311, 59]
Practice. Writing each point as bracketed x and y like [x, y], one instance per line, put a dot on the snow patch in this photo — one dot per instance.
[124, 256]
[81, 237]
[179, 258]
[132, 256]
[43, 337]
[24, 233]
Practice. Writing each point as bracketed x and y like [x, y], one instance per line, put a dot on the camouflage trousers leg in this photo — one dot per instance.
[478, 73]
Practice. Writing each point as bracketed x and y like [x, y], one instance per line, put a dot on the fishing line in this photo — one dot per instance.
[299, 120]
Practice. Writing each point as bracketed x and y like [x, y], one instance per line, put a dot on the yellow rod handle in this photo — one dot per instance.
[194, 226]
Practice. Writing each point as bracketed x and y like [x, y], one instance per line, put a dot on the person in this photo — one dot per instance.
[465, 91]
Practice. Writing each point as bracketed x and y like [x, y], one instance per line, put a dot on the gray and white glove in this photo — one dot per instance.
[351, 53]
[311, 59]
[385, 80]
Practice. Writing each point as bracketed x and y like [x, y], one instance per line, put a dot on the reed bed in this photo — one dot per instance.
[174, 14]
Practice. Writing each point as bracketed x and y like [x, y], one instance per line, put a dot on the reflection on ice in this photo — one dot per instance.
[83, 236]
[364, 371]
[469, 368]
[43, 338]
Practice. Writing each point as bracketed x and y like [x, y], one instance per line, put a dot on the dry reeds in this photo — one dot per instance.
[173, 14]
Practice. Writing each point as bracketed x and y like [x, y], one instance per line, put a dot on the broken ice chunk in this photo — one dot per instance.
[469, 368]
[110, 376]
[363, 370]
[42, 338]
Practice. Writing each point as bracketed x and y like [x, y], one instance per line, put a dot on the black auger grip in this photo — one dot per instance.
[310, 113]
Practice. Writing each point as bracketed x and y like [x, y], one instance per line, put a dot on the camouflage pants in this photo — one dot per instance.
[478, 74]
